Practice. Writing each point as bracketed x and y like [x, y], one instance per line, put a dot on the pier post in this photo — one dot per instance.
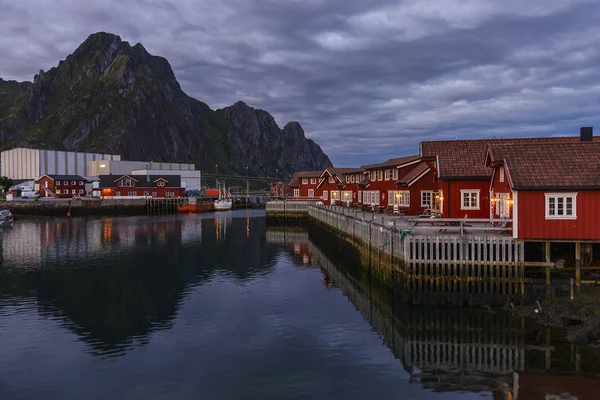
[548, 279]
[578, 264]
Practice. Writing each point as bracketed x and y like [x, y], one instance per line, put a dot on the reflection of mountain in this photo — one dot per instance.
[115, 280]
[450, 348]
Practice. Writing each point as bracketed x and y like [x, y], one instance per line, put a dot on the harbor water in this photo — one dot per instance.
[222, 306]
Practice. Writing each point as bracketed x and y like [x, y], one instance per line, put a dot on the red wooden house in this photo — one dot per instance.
[304, 185]
[62, 186]
[379, 185]
[339, 185]
[141, 185]
[550, 190]
[416, 190]
[463, 180]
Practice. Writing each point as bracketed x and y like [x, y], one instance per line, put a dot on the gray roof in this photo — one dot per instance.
[148, 181]
[65, 177]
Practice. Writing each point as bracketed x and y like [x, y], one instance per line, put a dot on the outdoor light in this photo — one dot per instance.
[102, 165]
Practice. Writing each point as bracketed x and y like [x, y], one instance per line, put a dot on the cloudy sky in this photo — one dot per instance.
[366, 79]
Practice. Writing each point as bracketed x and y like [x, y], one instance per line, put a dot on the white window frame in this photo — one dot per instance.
[305, 181]
[80, 191]
[379, 175]
[73, 191]
[66, 183]
[358, 178]
[81, 182]
[160, 183]
[346, 196]
[351, 178]
[563, 197]
[311, 193]
[335, 195]
[57, 183]
[331, 179]
[402, 200]
[313, 181]
[73, 183]
[153, 194]
[359, 196]
[118, 193]
[387, 175]
[423, 193]
[58, 191]
[470, 191]
[501, 177]
[325, 194]
[296, 192]
[395, 174]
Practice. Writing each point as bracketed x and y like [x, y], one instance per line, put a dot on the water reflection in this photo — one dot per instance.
[452, 349]
[114, 281]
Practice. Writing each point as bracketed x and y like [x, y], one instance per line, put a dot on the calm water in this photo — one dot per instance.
[223, 307]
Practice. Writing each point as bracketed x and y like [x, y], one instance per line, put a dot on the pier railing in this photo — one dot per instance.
[288, 207]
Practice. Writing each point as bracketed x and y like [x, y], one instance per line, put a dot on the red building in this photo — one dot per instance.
[141, 185]
[304, 185]
[463, 180]
[416, 190]
[62, 186]
[339, 185]
[379, 185]
[550, 190]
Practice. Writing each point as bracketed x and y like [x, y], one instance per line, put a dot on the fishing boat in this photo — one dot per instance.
[224, 202]
[6, 217]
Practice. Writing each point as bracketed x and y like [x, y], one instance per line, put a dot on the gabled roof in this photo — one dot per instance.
[365, 182]
[142, 181]
[413, 176]
[65, 177]
[392, 162]
[463, 159]
[298, 176]
[338, 173]
[552, 166]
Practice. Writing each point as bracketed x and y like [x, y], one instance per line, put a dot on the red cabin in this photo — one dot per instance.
[339, 185]
[416, 190]
[304, 185]
[62, 186]
[141, 185]
[550, 190]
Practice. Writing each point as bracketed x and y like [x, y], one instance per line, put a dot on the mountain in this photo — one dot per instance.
[111, 97]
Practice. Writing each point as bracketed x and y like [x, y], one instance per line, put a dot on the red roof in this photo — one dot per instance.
[414, 175]
[464, 159]
[392, 162]
[552, 165]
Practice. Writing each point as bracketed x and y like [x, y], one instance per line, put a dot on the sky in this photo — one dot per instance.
[368, 80]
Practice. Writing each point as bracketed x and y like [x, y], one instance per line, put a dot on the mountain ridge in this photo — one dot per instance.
[108, 96]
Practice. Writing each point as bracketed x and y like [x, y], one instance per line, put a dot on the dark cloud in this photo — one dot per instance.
[367, 80]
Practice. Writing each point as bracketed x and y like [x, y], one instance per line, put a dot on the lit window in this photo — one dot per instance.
[58, 191]
[399, 197]
[561, 205]
[470, 199]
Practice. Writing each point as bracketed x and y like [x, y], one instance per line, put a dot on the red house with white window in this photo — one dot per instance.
[304, 185]
[62, 186]
[141, 186]
[550, 190]
[339, 185]
[416, 190]
[462, 179]
[379, 185]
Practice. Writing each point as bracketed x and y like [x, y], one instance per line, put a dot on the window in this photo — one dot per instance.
[387, 174]
[395, 174]
[426, 196]
[81, 182]
[80, 191]
[347, 178]
[352, 179]
[118, 193]
[153, 194]
[470, 199]
[146, 193]
[57, 183]
[72, 191]
[160, 183]
[313, 181]
[335, 195]
[73, 183]
[501, 174]
[561, 205]
[172, 194]
[360, 196]
[126, 182]
[296, 192]
[325, 195]
[305, 181]
[399, 197]
[130, 193]
[331, 180]
[347, 196]
[380, 175]
[373, 176]
[66, 183]
[311, 192]
[371, 197]
[58, 191]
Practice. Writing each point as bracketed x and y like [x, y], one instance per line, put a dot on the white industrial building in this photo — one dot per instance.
[118, 167]
[22, 163]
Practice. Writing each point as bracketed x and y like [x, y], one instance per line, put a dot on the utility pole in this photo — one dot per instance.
[216, 175]
[247, 187]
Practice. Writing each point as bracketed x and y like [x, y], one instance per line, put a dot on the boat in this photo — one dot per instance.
[224, 202]
[6, 217]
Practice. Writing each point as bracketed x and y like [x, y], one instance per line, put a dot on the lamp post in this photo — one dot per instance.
[216, 175]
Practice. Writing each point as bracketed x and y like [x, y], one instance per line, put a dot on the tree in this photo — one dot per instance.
[5, 183]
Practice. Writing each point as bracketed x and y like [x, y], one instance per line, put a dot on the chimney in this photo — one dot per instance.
[587, 134]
